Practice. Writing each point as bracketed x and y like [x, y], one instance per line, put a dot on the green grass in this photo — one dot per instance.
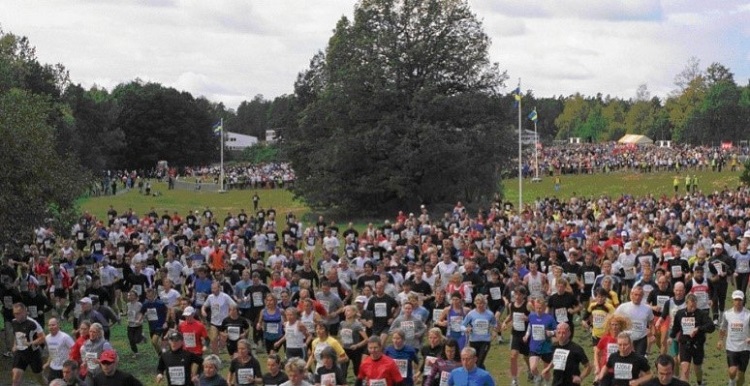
[613, 184]
[618, 183]
[184, 201]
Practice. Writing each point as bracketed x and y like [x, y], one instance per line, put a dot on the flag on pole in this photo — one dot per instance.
[517, 96]
[532, 115]
[218, 127]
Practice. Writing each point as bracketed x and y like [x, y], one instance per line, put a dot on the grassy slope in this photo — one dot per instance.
[613, 184]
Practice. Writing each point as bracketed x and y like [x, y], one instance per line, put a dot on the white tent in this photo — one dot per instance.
[636, 139]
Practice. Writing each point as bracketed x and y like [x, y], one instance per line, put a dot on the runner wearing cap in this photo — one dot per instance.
[734, 334]
[193, 331]
[721, 267]
[177, 365]
[110, 375]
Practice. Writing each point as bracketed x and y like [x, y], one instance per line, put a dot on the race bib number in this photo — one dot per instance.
[272, 328]
[661, 300]
[481, 327]
[91, 362]
[436, 314]
[402, 366]
[245, 376]
[381, 310]
[688, 325]
[676, 271]
[537, 332]
[455, 323]
[233, 333]
[612, 348]
[176, 375]
[444, 375]
[257, 299]
[138, 289]
[347, 336]
[33, 311]
[519, 324]
[638, 326]
[328, 379]
[151, 315]
[743, 265]
[702, 299]
[560, 359]
[496, 293]
[561, 314]
[623, 371]
[189, 338]
[378, 382]
[737, 331]
[428, 362]
[408, 327]
[21, 341]
[598, 320]
[588, 277]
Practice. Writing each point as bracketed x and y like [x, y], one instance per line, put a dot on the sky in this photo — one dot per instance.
[231, 50]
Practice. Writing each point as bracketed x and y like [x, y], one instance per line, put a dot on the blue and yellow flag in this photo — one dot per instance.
[517, 96]
[532, 115]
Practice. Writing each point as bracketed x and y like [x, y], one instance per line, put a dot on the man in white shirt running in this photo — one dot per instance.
[734, 334]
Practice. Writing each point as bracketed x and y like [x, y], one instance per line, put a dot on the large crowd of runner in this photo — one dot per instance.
[419, 299]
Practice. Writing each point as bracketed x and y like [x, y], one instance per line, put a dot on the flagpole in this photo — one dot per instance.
[221, 173]
[520, 147]
[536, 146]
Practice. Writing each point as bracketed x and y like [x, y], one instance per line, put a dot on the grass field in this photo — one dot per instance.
[584, 185]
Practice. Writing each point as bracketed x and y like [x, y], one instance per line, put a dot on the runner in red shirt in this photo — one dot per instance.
[378, 369]
[193, 332]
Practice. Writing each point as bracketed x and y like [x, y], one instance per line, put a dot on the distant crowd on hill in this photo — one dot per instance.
[611, 156]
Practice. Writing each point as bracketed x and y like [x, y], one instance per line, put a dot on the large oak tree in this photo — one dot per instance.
[401, 109]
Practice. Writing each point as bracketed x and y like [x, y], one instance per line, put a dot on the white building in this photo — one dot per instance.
[235, 141]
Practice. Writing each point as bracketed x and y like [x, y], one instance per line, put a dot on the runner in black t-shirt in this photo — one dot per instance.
[625, 365]
[567, 359]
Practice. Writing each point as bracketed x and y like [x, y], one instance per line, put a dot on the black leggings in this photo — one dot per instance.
[742, 280]
[355, 358]
[483, 348]
[135, 336]
[720, 297]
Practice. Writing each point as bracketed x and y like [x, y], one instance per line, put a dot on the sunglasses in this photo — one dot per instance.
[106, 363]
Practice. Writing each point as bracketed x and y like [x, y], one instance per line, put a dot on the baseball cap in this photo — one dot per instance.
[738, 295]
[361, 299]
[189, 311]
[85, 300]
[108, 356]
[174, 335]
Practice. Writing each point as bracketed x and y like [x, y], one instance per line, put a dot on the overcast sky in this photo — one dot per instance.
[231, 50]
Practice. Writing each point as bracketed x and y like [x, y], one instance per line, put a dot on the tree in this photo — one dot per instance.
[575, 112]
[35, 177]
[389, 112]
[162, 123]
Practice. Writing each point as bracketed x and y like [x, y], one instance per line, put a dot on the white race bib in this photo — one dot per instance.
[481, 327]
[560, 359]
[623, 371]
[176, 375]
[246, 376]
[496, 293]
[347, 336]
[189, 338]
[537, 332]
[381, 310]
[519, 324]
[272, 328]
[402, 366]
[688, 325]
[561, 314]
[233, 333]
[151, 315]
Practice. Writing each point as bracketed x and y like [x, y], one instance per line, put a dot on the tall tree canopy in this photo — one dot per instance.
[401, 109]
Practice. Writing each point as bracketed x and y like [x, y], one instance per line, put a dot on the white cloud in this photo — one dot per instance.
[232, 50]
